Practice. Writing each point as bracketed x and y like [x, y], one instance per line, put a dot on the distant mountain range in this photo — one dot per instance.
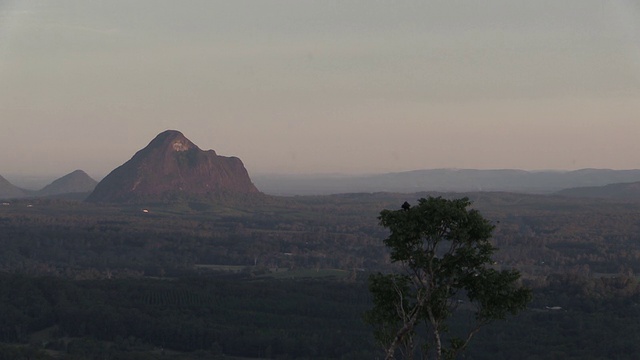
[456, 180]
[171, 167]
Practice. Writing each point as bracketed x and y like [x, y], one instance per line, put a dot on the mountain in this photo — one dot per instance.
[458, 180]
[10, 191]
[75, 182]
[628, 191]
[170, 168]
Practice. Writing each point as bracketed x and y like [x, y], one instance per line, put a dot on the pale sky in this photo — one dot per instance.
[322, 86]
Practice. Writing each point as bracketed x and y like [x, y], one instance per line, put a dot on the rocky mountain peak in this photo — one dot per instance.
[172, 140]
[172, 167]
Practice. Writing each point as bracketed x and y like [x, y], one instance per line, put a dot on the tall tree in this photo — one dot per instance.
[444, 252]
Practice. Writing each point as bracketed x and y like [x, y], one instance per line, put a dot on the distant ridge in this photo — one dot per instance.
[75, 182]
[628, 191]
[10, 191]
[172, 168]
[457, 180]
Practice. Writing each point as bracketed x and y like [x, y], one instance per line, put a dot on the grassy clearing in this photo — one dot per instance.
[281, 273]
[227, 268]
[309, 273]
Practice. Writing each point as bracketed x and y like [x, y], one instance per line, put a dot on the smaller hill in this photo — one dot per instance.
[10, 191]
[626, 191]
[75, 182]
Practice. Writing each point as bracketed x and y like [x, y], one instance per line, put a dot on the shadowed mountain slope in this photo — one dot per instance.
[10, 191]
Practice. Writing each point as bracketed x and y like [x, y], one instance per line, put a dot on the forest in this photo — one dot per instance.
[285, 278]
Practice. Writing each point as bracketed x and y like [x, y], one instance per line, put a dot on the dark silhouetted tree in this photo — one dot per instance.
[444, 252]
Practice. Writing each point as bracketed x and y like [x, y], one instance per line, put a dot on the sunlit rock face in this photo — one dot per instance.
[172, 167]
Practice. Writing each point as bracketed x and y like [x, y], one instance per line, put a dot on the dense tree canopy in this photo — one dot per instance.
[124, 284]
[444, 252]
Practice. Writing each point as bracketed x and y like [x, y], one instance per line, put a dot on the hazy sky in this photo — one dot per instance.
[322, 86]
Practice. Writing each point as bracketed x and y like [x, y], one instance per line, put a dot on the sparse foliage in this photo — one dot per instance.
[444, 252]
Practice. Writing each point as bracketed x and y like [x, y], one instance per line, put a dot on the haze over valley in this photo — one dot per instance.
[191, 169]
[302, 88]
